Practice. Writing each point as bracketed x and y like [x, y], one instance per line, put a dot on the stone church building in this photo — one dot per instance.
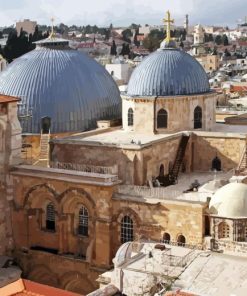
[144, 180]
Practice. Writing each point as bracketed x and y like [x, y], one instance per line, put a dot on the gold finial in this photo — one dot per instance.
[52, 35]
[168, 21]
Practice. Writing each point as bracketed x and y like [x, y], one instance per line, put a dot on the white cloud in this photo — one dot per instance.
[120, 12]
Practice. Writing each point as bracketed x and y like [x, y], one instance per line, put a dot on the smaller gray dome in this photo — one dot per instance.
[168, 72]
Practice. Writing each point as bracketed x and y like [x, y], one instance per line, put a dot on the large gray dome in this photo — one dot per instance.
[63, 84]
[168, 72]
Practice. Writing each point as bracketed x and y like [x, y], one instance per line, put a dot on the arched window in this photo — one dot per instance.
[181, 240]
[198, 117]
[127, 231]
[166, 238]
[162, 119]
[216, 164]
[223, 230]
[50, 217]
[130, 117]
[83, 222]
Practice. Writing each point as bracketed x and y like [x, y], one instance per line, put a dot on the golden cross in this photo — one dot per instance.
[168, 21]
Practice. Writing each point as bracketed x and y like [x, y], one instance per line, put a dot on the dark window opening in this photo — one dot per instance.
[48, 250]
[46, 125]
[50, 217]
[166, 237]
[198, 117]
[216, 164]
[162, 119]
[181, 240]
[207, 225]
[162, 170]
[127, 230]
[130, 117]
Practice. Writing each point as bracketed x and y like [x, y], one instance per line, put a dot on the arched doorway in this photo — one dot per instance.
[181, 240]
[46, 125]
[198, 117]
[216, 164]
[166, 238]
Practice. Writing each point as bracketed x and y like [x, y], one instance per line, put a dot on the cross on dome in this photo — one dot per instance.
[168, 21]
[52, 35]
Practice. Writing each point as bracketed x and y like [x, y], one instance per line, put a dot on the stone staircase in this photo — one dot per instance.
[179, 158]
[242, 166]
[44, 146]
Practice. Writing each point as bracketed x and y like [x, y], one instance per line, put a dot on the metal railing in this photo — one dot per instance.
[112, 170]
[144, 191]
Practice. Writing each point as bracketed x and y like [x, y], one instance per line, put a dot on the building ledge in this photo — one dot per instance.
[66, 175]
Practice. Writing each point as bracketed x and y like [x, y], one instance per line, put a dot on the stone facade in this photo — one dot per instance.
[10, 147]
[180, 113]
[63, 253]
[135, 166]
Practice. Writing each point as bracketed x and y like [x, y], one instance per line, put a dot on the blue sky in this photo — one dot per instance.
[122, 12]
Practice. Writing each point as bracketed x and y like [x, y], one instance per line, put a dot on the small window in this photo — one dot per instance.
[130, 117]
[50, 217]
[181, 240]
[127, 232]
[198, 117]
[223, 230]
[83, 222]
[166, 238]
[162, 119]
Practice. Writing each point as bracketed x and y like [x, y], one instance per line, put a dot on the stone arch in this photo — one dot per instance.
[133, 216]
[72, 200]
[40, 189]
[76, 282]
[128, 212]
[43, 275]
[65, 198]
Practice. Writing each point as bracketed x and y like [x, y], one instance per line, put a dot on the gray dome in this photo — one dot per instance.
[168, 72]
[63, 84]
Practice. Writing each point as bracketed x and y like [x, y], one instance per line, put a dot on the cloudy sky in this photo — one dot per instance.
[122, 12]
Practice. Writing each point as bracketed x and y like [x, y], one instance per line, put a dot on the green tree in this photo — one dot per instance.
[127, 34]
[113, 48]
[153, 40]
[225, 40]
[218, 40]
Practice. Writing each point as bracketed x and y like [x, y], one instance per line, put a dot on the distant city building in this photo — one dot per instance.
[26, 25]
[198, 46]
[120, 72]
[209, 62]
[186, 23]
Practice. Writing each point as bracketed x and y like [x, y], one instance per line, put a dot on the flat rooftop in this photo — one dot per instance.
[215, 274]
[131, 140]
[209, 183]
